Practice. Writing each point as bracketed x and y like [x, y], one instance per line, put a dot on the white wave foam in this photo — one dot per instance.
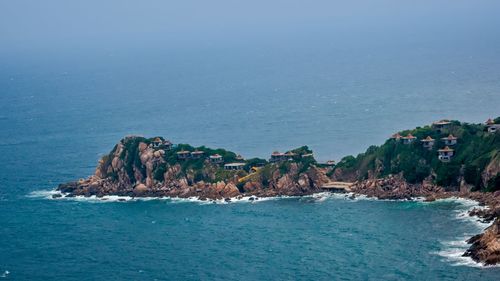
[5, 274]
[454, 255]
[48, 194]
[454, 249]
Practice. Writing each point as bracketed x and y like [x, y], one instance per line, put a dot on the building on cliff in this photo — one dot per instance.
[441, 124]
[167, 145]
[216, 159]
[445, 154]
[396, 136]
[408, 139]
[157, 142]
[277, 157]
[197, 154]
[428, 142]
[234, 166]
[492, 127]
[330, 163]
[183, 154]
[450, 140]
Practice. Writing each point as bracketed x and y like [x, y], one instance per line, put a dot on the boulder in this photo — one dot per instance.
[140, 189]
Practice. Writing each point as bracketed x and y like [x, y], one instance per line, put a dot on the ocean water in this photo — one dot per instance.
[60, 112]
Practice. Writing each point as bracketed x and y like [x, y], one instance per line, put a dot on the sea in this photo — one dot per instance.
[61, 111]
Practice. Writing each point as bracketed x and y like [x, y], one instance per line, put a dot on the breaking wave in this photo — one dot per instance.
[57, 195]
[452, 250]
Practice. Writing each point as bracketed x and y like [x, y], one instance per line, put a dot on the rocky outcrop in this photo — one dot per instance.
[396, 188]
[485, 247]
[492, 170]
[136, 168]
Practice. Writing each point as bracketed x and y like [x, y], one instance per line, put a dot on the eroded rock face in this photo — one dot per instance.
[492, 169]
[132, 169]
[395, 187]
[485, 247]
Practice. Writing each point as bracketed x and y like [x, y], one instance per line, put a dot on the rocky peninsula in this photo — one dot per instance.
[444, 159]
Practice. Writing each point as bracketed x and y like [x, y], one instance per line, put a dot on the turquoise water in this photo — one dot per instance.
[321, 238]
[60, 112]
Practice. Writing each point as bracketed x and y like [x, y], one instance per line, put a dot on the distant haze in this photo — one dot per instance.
[250, 76]
[69, 25]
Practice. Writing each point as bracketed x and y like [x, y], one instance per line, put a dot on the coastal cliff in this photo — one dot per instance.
[442, 160]
[143, 167]
[453, 155]
[445, 159]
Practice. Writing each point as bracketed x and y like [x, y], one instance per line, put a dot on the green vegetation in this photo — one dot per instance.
[474, 151]
[200, 168]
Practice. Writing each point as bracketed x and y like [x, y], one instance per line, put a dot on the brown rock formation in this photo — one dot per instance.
[485, 247]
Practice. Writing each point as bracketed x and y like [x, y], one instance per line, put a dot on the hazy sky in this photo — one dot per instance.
[62, 25]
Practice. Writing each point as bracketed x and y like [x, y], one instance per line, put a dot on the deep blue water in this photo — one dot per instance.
[60, 112]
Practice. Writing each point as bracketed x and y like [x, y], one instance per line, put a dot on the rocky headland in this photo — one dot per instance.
[445, 159]
[140, 167]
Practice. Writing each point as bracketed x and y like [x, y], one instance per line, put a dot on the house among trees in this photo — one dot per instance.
[307, 155]
[428, 142]
[408, 139]
[167, 145]
[450, 140]
[234, 166]
[289, 155]
[183, 154]
[216, 159]
[157, 142]
[277, 157]
[445, 154]
[239, 157]
[441, 124]
[197, 154]
[396, 136]
[330, 163]
[492, 127]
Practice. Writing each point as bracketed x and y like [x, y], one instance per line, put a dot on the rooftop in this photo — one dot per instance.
[442, 122]
[409, 136]
[428, 139]
[446, 149]
[450, 137]
[234, 165]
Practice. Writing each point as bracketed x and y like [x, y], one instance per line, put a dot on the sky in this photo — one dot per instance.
[60, 25]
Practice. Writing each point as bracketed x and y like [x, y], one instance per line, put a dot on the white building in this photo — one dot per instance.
[408, 139]
[450, 140]
[428, 142]
[445, 154]
[216, 159]
[183, 154]
[234, 166]
[492, 127]
[441, 124]
[197, 154]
